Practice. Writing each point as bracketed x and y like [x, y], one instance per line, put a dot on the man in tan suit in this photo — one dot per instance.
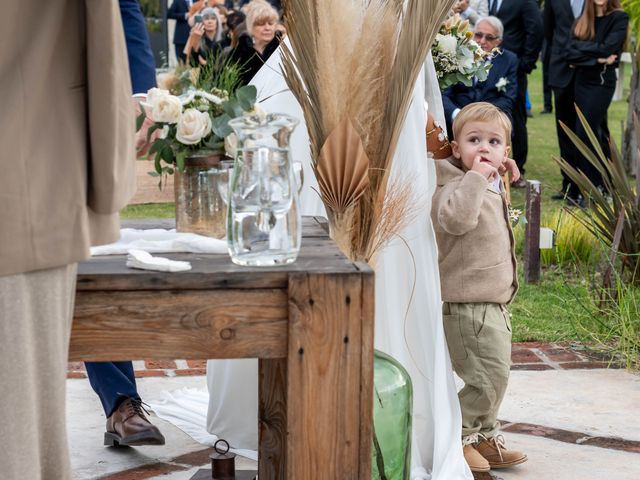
[66, 150]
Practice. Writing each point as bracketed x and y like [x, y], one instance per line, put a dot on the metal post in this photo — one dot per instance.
[532, 232]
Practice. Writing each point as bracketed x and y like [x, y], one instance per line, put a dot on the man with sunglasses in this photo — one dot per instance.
[500, 87]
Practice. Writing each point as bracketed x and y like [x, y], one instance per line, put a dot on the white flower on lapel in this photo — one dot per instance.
[501, 85]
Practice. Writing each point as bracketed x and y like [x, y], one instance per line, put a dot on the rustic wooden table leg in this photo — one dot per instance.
[272, 416]
[329, 376]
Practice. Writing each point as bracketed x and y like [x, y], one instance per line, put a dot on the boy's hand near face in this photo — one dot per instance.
[483, 167]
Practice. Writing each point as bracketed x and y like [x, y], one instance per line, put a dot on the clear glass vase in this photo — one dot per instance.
[392, 410]
[264, 226]
[199, 206]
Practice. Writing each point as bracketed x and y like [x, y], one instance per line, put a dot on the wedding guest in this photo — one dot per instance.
[523, 36]
[471, 10]
[205, 39]
[114, 382]
[67, 142]
[261, 39]
[500, 87]
[179, 11]
[477, 276]
[593, 53]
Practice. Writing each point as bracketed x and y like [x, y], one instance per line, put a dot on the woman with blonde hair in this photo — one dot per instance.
[261, 39]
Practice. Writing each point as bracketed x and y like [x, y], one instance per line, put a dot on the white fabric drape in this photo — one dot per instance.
[408, 306]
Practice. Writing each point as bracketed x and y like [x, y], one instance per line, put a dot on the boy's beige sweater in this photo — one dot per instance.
[475, 241]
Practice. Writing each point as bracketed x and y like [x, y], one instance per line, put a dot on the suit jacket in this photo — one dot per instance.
[66, 131]
[523, 31]
[177, 12]
[558, 20]
[459, 95]
[142, 66]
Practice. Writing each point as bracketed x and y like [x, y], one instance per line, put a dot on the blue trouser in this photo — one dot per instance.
[113, 382]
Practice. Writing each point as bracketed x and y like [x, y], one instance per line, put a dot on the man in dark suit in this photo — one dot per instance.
[559, 16]
[500, 87]
[179, 11]
[523, 35]
[114, 382]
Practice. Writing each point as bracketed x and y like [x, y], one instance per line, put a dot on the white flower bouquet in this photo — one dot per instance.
[192, 122]
[456, 56]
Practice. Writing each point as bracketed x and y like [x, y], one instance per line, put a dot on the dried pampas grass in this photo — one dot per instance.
[352, 66]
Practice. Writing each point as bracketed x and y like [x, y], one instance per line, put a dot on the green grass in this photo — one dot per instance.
[561, 307]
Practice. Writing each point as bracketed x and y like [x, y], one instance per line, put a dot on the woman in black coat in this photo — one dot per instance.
[261, 38]
[599, 35]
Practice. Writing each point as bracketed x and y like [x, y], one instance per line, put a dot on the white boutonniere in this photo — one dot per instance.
[501, 85]
[516, 216]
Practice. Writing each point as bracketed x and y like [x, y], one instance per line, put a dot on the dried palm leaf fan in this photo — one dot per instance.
[352, 65]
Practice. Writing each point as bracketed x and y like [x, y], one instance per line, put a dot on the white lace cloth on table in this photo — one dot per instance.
[158, 240]
[140, 244]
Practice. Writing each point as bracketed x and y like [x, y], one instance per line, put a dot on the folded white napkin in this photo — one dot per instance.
[146, 261]
[160, 241]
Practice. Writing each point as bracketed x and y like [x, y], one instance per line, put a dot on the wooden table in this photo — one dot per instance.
[310, 324]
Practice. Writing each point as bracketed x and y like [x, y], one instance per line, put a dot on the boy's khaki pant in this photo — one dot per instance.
[479, 340]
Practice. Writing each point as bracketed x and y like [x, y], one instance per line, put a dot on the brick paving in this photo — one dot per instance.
[525, 356]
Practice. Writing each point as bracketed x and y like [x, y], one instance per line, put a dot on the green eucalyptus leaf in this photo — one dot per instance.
[220, 125]
[247, 96]
[153, 174]
[233, 108]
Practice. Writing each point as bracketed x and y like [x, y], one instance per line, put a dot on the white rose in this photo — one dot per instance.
[193, 126]
[166, 109]
[447, 43]
[162, 107]
[153, 95]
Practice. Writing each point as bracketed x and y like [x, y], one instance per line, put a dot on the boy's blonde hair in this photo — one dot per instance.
[482, 112]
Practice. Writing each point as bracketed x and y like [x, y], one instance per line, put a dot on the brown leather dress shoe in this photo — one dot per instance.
[128, 426]
[497, 454]
[476, 462]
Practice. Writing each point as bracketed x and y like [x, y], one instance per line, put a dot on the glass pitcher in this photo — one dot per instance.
[264, 226]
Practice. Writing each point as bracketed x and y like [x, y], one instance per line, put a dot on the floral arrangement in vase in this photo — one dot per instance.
[456, 56]
[191, 113]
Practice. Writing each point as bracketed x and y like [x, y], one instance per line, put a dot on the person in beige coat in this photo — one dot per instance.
[477, 276]
[66, 157]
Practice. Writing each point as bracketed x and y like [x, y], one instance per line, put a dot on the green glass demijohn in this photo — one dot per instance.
[392, 408]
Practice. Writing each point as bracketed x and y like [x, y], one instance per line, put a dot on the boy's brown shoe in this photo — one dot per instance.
[497, 454]
[476, 462]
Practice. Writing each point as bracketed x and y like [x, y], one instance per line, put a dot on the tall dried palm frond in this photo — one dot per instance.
[352, 65]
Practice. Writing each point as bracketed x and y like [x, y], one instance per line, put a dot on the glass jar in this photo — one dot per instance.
[199, 206]
[392, 410]
[264, 226]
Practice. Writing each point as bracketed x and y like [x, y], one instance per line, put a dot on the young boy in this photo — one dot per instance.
[477, 276]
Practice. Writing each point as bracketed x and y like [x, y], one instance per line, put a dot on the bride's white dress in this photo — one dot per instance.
[408, 306]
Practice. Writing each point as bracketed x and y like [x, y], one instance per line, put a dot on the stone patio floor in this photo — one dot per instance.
[575, 413]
